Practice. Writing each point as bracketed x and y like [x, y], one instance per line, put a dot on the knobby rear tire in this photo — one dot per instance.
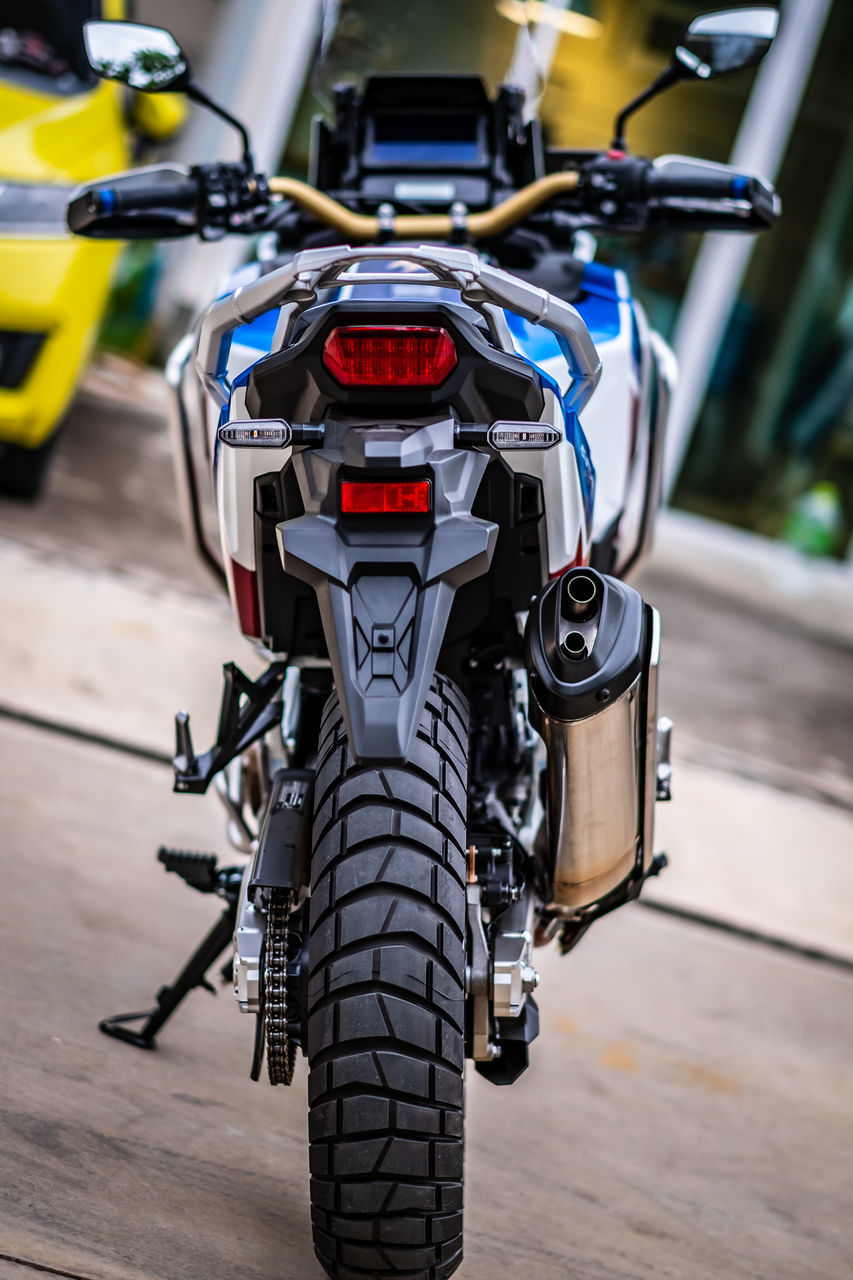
[386, 1001]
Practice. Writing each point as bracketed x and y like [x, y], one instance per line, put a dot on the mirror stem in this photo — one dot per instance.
[197, 94]
[669, 76]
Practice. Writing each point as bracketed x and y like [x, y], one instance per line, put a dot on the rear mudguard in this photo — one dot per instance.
[385, 596]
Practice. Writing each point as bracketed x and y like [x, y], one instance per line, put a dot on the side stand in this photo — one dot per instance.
[199, 871]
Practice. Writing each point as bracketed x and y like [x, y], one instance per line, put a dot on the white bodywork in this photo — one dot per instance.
[620, 420]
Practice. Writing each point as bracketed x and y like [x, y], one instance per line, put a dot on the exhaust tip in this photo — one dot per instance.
[574, 646]
[581, 597]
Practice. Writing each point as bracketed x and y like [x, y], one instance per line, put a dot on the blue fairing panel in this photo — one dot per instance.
[599, 302]
[599, 306]
[254, 342]
[586, 471]
[258, 334]
[539, 347]
[601, 279]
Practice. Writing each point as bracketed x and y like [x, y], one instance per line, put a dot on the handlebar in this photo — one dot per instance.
[630, 180]
[611, 192]
[479, 226]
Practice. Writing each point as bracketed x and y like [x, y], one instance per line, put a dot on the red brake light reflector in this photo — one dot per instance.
[385, 497]
[389, 355]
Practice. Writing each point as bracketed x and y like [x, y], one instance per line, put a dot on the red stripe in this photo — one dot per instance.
[579, 559]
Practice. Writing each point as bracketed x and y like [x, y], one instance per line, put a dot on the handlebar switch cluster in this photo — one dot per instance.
[230, 197]
[613, 188]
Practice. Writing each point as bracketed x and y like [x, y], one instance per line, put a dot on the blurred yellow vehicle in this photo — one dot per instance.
[59, 126]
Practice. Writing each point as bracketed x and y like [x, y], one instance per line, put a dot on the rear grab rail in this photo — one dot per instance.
[489, 290]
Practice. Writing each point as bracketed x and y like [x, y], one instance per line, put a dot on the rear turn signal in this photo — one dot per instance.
[389, 356]
[385, 497]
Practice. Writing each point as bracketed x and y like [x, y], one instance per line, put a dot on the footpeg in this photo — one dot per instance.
[198, 870]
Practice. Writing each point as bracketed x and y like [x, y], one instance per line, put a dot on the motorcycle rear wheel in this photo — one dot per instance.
[386, 1001]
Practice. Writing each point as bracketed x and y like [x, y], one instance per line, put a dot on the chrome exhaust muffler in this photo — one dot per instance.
[593, 648]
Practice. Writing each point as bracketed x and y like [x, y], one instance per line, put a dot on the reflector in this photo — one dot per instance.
[245, 593]
[385, 497]
[389, 355]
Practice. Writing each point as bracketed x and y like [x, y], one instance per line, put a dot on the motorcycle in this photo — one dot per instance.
[425, 522]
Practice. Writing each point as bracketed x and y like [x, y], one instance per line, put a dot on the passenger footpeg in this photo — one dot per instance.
[248, 709]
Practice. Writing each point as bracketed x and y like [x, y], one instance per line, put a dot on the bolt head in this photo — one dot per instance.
[529, 979]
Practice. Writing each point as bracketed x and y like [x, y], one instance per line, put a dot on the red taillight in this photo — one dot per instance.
[385, 497]
[389, 356]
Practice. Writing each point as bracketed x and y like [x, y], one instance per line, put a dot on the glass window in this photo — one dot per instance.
[773, 447]
[42, 39]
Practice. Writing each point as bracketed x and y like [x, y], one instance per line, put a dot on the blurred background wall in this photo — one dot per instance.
[768, 436]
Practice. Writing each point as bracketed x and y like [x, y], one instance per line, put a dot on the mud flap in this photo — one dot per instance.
[385, 598]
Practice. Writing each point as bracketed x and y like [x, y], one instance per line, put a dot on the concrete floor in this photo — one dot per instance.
[688, 1111]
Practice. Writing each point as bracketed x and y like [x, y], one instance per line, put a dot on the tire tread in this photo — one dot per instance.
[386, 1001]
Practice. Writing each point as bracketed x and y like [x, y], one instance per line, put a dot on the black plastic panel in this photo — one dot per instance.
[487, 385]
[290, 617]
[484, 610]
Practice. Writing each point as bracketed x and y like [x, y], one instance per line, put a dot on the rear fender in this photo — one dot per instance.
[385, 597]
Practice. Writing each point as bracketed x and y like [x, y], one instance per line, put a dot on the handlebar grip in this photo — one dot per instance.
[107, 201]
[699, 185]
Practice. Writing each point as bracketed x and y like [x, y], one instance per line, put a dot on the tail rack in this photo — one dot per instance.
[296, 286]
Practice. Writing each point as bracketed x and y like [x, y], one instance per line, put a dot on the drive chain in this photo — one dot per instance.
[281, 1052]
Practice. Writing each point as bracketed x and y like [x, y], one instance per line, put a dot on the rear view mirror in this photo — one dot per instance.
[713, 45]
[717, 43]
[148, 59]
